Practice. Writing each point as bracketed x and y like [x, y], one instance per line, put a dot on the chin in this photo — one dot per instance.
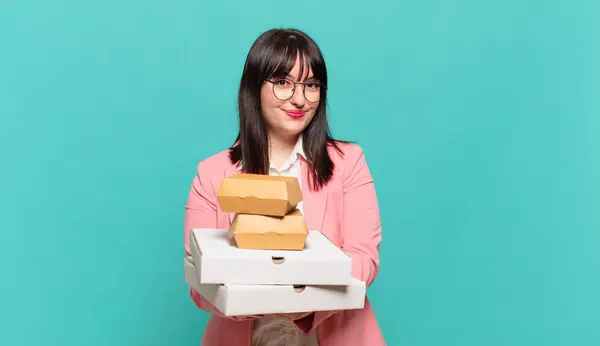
[295, 129]
[291, 127]
[292, 132]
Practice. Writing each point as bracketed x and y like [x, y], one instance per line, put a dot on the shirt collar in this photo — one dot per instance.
[297, 152]
[298, 148]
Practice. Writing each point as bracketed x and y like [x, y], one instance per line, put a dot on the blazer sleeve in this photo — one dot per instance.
[201, 212]
[361, 228]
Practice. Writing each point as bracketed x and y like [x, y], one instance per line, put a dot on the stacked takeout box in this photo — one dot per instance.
[267, 261]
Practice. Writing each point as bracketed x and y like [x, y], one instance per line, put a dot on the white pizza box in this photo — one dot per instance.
[219, 261]
[239, 300]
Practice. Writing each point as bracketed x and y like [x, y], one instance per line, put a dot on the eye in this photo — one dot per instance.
[283, 83]
[312, 85]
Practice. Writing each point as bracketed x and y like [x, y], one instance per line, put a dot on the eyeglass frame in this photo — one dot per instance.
[294, 89]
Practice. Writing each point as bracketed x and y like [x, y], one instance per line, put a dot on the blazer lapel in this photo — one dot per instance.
[313, 202]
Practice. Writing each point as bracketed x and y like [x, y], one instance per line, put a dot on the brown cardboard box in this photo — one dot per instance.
[261, 232]
[259, 194]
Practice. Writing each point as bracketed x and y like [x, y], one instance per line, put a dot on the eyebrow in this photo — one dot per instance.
[311, 78]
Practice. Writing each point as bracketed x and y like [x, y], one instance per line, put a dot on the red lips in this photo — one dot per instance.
[295, 114]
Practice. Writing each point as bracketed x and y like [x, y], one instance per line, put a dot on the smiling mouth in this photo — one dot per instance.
[295, 114]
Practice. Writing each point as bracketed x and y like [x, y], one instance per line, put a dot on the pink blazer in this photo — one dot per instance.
[346, 211]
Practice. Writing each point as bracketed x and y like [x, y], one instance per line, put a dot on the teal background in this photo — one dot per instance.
[480, 121]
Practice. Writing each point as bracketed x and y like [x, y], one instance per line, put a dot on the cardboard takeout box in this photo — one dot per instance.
[262, 232]
[237, 300]
[259, 194]
[219, 261]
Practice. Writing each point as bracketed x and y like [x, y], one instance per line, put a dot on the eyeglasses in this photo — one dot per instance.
[284, 88]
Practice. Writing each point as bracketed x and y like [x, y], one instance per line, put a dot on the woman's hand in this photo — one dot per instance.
[292, 316]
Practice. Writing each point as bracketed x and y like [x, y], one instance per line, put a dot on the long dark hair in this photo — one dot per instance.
[274, 54]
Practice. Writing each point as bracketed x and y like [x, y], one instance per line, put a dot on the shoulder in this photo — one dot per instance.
[350, 163]
[215, 162]
[345, 155]
[212, 169]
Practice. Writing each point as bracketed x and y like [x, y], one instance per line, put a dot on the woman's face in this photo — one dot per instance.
[289, 118]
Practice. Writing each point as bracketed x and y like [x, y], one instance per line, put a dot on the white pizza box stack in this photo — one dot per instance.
[258, 299]
[267, 262]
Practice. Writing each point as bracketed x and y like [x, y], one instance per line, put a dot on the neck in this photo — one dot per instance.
[280, 148]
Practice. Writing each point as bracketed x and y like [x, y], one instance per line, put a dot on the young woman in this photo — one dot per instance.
[283, 130]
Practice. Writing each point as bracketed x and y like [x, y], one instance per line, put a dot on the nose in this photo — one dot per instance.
[298, 96]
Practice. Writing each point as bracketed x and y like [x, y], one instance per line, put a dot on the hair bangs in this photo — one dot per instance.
[288, 52]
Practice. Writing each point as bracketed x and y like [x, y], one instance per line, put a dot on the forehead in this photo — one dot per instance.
[301, 70]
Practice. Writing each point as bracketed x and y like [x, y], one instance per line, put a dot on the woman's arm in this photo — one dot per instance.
[361, 227]
[201, 212]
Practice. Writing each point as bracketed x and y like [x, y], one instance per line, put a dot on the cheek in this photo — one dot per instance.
[268, 100]
[264, 96]
[313, 111]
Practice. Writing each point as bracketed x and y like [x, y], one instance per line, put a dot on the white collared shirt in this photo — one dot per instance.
[291, 167]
